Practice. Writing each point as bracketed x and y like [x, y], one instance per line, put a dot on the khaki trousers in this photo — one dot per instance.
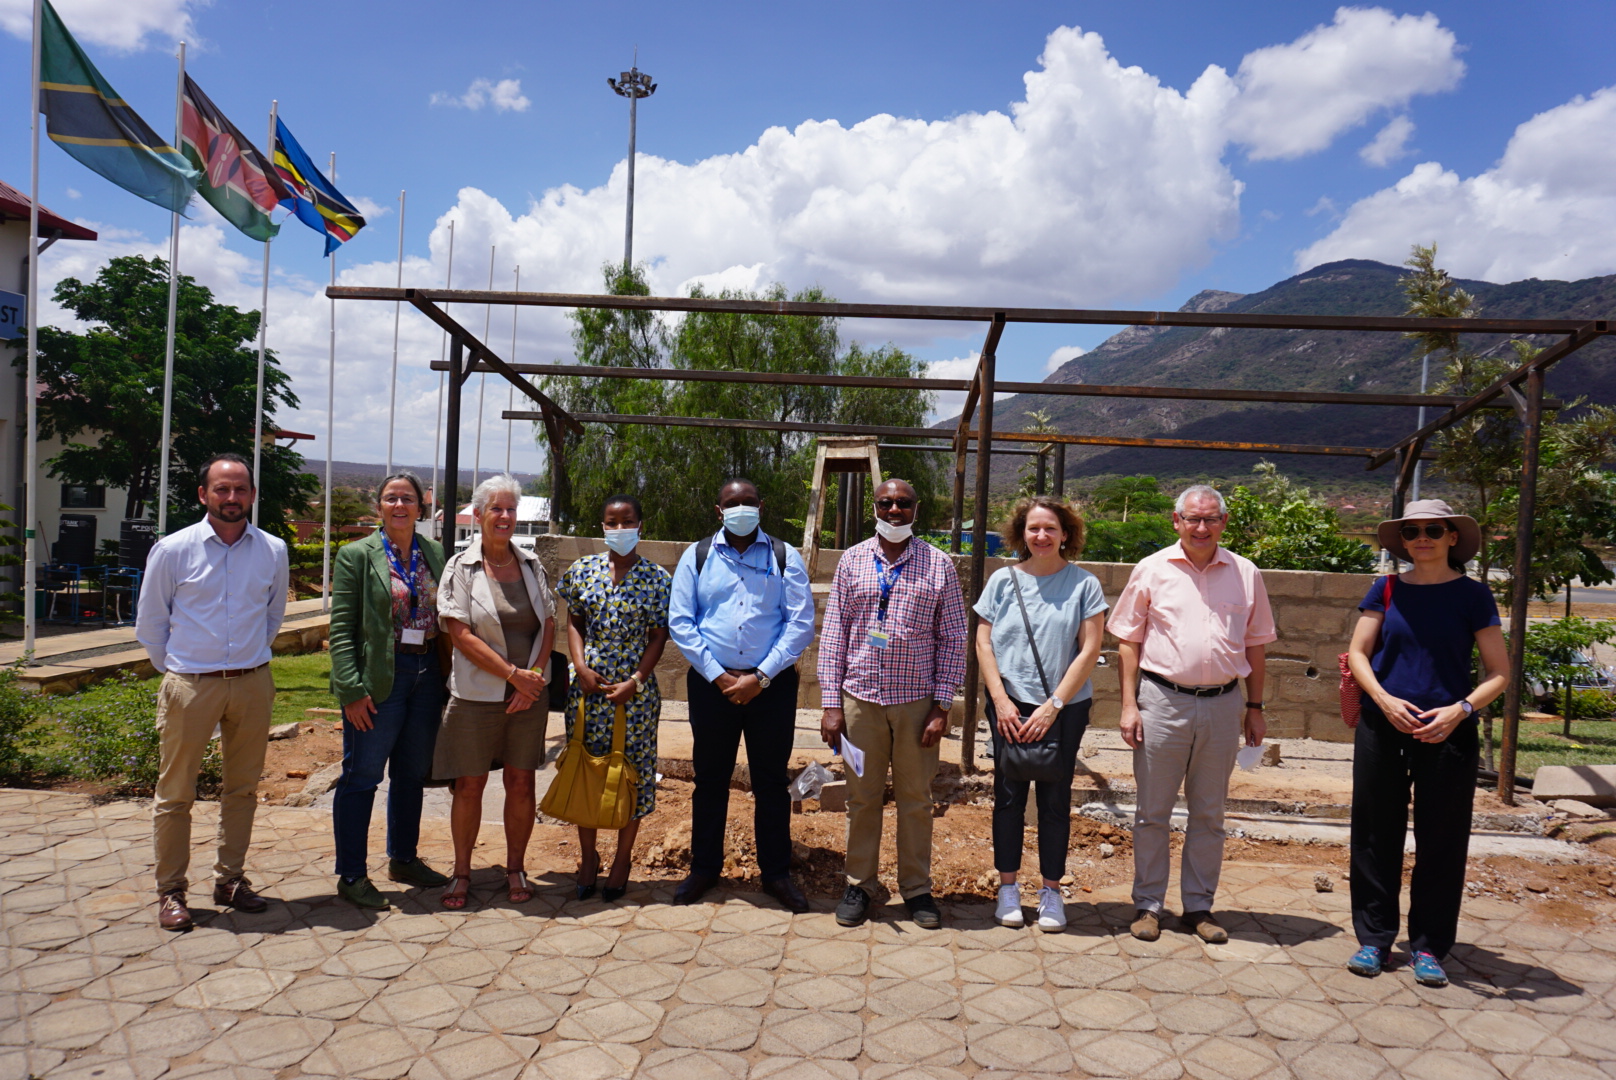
[1191, 741]
[188, 707]
[890, 735]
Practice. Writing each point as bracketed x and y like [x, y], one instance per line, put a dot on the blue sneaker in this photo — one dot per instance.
[1367, 961]
[1428, 970]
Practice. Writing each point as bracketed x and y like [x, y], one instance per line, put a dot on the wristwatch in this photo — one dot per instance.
[634, 677]
[1255, 705]
[1469, 709]
[1057, 701]
[763, 680]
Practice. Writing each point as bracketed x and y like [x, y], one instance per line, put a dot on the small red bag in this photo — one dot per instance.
[1351, 692]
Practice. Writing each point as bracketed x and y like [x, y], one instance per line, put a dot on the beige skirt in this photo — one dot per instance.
[476, 737]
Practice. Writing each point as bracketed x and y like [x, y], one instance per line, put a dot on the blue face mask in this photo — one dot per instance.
[741, 520]
[622, 541]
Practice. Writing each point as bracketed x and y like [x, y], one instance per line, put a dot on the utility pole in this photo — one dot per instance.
[633, 84]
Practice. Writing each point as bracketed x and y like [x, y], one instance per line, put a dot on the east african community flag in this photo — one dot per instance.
[236, 180]
[85, 116]
[314, 199]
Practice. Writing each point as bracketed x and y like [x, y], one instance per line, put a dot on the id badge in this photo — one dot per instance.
[414, 636]
[880, 639]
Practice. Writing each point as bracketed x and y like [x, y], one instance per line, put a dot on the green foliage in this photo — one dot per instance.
[1590, 705]
[1281, 526]
[307, 556]
[1553, 649]
[109, 733]
[108, 381]
[1121, 496]
[677, 471]
[1126, 541]
[1039, 422]
[10, 597]
[20, 738]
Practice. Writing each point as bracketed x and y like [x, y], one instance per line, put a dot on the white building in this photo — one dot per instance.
[532, 519]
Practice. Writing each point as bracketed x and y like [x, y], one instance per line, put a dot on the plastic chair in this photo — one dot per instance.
[120, 589]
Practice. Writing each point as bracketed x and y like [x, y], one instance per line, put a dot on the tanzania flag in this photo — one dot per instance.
[236, 179]
[314, 199]
[85, 117]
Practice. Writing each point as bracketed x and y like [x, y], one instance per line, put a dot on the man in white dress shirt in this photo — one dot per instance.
[211, 603]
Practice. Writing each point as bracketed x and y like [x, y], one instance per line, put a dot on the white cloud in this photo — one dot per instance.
[1061, 356]
[1295, 99]
[370, 209]
[1326, 206]
[504, 95]
[1390, 143]
[74, 193]
[1547, 209]
[125, 25]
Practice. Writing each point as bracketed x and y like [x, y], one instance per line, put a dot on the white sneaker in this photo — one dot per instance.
[1009, 910]
[1051, 909]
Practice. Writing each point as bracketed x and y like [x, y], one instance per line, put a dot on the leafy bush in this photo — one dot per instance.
[19, 736]
[1127, 541]
[1280, 526]
[110, 733]
[1592, 705]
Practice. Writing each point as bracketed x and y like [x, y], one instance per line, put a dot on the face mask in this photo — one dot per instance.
[622, 541]
[741, 520]
[894, 534]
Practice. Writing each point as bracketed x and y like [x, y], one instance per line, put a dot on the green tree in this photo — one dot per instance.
[1121, 496]
[677, 471]
[1281, 526]
[1108, 540]
[1039, 422]
[1554, 648]
[108, 381]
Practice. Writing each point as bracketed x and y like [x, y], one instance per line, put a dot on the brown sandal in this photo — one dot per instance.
[452, 899]
[518, 890]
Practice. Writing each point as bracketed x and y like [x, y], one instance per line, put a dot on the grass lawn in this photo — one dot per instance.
[301, 682]
[1592, 742]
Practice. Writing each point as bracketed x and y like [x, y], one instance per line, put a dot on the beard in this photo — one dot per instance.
[228, 512]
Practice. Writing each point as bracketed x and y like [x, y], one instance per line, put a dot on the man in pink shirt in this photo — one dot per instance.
[1193, 621]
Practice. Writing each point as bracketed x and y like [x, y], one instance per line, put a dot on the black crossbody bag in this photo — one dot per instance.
[1041, 760]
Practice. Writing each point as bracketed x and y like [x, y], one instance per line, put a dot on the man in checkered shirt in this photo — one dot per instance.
[891, 656]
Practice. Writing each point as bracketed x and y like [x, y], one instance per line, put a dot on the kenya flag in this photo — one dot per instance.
[237, 180]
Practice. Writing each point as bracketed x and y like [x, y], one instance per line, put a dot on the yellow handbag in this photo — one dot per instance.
[593, 792]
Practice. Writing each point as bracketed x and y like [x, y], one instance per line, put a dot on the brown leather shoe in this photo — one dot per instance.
[1147, 926]
[238, 894]
[172, 914]
[786, 891]
[1206, 927]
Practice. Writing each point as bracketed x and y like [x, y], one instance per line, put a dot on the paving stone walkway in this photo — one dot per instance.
[731, 990]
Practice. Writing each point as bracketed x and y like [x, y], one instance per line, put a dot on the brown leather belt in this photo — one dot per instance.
[232, 673]
[424, 647]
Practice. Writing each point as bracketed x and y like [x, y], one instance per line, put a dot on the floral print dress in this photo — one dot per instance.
[617, 617]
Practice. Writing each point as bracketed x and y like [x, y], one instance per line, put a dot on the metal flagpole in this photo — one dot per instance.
[392, 390]
[482, 384]
[437, 431]
[173, 305]
[263, 338]
[1419, 466]
[510, 398]
[330, 426]
[31, 449]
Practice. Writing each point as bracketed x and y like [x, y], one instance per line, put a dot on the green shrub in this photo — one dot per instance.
[20, 737]
[1592, 705]
[109, 734]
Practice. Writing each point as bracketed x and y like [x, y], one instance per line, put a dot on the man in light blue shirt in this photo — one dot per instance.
[742, 613]
[211, 603]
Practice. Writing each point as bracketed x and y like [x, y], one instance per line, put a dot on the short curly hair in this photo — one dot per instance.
[1071, 523]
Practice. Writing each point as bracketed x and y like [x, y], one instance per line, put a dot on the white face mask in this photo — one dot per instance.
[894, 534]
[622, 541]
[741, 520]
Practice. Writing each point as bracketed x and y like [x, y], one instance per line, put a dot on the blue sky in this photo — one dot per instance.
[1126, 172]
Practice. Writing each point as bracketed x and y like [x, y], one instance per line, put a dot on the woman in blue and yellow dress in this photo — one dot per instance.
[617, 626]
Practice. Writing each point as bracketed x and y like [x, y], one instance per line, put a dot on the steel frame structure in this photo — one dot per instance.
[1521, 389]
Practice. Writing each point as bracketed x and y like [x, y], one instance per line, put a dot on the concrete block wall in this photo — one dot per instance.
[1314, 614]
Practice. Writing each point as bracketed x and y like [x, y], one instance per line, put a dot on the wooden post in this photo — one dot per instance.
[1520, 587]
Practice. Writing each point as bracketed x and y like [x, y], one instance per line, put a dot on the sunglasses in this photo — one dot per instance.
[1434, 531]
[888, 504]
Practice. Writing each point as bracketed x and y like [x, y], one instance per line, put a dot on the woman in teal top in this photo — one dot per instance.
[384, 671]
[617, 627]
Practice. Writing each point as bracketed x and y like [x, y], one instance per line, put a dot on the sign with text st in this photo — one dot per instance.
[13, 315]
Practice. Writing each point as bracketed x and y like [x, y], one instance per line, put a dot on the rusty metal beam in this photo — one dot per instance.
[484, 357]
[876, 382]
[947, 313]
[985, 371]
[1190, 444]
[1520, 584]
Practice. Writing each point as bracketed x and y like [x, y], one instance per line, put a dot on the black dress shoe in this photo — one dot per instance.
[693, 888]
[785, 890]
[613, 893]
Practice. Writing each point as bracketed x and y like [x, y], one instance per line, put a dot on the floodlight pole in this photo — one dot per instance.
[633, 84]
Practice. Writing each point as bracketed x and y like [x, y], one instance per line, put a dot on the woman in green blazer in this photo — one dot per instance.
[384, 671]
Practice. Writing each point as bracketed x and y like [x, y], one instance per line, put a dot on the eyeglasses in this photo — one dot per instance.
[888, 504]
[1197, 522]
[1434, 531]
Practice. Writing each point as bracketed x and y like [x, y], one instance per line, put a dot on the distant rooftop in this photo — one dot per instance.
[14, 206]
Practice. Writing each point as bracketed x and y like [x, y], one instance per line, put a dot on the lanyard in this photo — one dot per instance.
[398, 565]
[886, 579]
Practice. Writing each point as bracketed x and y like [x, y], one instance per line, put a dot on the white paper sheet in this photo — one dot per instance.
[852, 755]
[1249, 757]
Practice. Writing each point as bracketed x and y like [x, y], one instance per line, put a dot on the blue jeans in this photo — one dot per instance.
[401, 740]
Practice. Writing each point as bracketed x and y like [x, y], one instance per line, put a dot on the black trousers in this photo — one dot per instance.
[1386, 763]
[1054, 801]
[717, 725]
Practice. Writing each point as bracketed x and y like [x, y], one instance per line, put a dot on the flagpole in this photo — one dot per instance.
[482, 380]
[173, 307]
[392, 392]
[263, 338]
[437, 430]
[330, 423]
[31, 450]
[510, 398]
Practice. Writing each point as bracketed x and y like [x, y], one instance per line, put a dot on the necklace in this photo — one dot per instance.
[502, 565]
